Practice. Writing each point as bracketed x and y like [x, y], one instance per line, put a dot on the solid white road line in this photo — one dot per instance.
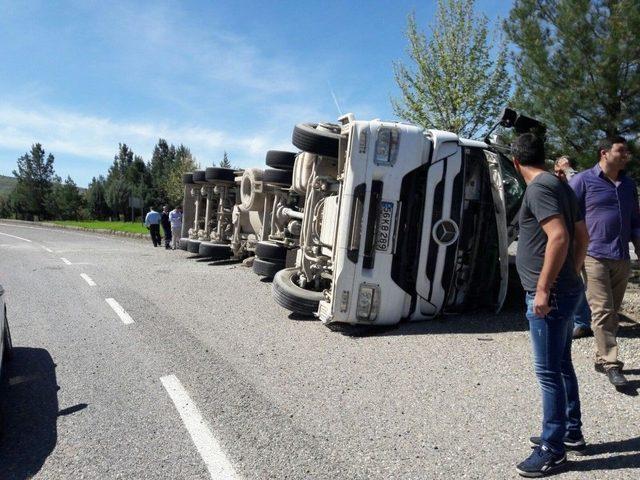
[65, 260]
[217, 463]
[13, 236]
[124, 316]
[47, 249]
[87, 279]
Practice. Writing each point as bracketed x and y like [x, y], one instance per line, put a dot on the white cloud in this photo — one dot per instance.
[64, 132]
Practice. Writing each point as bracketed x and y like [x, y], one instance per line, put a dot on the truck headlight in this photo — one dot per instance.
[368, 302]
[387, 146]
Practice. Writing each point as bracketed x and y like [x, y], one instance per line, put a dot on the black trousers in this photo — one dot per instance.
[155, 234]
[167, 235]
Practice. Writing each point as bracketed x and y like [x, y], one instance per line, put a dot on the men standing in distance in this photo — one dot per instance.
[609, 201]
[551, 249]
[175, 217]
[166, 226]
[152, 222]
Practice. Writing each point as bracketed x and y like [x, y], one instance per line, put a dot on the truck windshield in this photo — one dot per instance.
[514, 187]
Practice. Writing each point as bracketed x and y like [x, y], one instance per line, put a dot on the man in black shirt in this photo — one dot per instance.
[552, 245]
[166, 226]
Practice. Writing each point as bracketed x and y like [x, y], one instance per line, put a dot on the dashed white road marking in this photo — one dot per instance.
[87, 279]
[47, 249]
[217, 463]
[65, 260]
[14, 236]
[124, 316]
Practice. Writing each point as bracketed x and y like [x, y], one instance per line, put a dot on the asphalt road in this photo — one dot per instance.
[278, 397]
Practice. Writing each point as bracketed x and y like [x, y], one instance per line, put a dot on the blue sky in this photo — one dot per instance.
[81, 76]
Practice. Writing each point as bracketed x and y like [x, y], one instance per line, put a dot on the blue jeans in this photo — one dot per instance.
[582, 313]
[551, 345]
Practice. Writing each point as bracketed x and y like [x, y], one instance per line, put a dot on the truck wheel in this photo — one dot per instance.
[221, 174]
[265, 268]
[193, 246]
[183, 243]
[7, 353]
[321, 141]
[271, 251]
[281, 160]
[214, 250]
[279, 177]
[199, 176]
[187, 178]
[289, 295]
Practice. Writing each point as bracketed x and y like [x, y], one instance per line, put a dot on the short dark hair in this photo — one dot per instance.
[528, 148]
[607, 142]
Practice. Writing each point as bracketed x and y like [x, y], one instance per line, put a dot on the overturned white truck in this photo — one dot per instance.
[237, 213]
[399, 222]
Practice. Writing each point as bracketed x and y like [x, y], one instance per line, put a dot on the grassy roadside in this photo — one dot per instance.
[97, 225]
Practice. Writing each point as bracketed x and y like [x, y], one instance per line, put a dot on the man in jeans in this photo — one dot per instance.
[551, 249]
[609, 202]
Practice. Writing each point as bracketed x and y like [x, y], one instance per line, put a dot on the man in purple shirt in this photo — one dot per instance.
[609, 201]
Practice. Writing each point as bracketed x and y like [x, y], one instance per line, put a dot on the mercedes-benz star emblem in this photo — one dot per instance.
[445, 232]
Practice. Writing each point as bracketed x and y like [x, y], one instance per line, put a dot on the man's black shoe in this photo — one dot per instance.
[616, 378]
[576, 445]
[582, 332]
[541, 462]
[599, 367]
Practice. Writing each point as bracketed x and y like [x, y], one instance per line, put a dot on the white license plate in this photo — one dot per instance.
[383, 235]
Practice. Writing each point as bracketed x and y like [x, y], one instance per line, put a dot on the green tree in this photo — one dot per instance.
[577, 64]
[68, 199]
[161, 166]
[117, 193]
[225, 163]
[95, 198]
[117, 188]
[185, 162]
[456, 82]
[6, 209]
[35, 174]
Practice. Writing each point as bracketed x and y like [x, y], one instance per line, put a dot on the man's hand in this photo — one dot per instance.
[541, 304]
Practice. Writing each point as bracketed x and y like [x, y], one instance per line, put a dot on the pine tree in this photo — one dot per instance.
[577, 66]
[68, 200]
[225, 163]
[161, 165]
[32, 194]
[117, 187]
[456, 84]
[95, 199]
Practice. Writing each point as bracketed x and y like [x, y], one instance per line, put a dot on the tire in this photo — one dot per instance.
[281, 160]
[187, 178]
[265, 268]
[193, 246]
[278, 177]
[183, 243]
[308, 138]
[213, 174]
[271, 251]
[7, 353]
[292, 297]
[199, 176]
[214, 250]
